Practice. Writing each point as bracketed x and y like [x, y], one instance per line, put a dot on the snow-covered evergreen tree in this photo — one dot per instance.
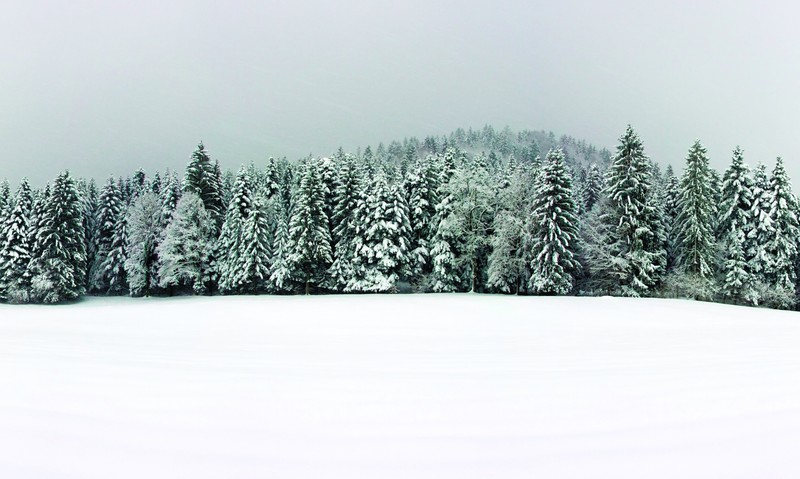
[145, 227]
[782, 245]
[762, 229]
[109, 210]
[58, 271]
[203, 178]
[632, 220]
[593, 187]
[256, 248]
[554, 234]
[309, 231]
[280, 279]
[185, 253]
[736, 201]
[738, 284]
[421, 187]
[113, 266]
[695, 222]
[445, 276]
[170, 194]
[349, 197]
[382, 255]
[230, 245]
[15, 250]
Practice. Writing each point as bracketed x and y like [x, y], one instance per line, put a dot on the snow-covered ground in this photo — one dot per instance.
[434, 386]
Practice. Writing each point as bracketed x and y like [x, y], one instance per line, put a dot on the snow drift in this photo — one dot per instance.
[430, 386]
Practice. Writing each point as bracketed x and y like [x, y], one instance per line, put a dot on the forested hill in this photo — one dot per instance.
[480, 211]
[497, 145]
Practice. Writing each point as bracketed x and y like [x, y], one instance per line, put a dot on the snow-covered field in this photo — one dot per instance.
[434, 386]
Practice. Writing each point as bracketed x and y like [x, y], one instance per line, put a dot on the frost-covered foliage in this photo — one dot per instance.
[509, 261]
[184, 255]
[58, 270]
[554, 229]
[15, 249]
[381, 255]
[630, 216]
[145, 227]
[476, 211]
[310, 253]
[697, 210]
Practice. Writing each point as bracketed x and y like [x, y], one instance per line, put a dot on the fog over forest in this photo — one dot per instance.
[104, 88]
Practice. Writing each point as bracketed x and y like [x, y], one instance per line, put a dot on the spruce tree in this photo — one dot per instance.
[736, 201]
[15, 250]
[554, 232]
[349, 197]
[382, 257]
[762, 228]
[695, 222]
[631, 219]
[203, 178]
[593, 187]
[109, 210]
[737, 282]
[782, 246]
[256, 249]
[309, 231]
[421, 185]
[230, 245]
[58, 272]
[113, 266]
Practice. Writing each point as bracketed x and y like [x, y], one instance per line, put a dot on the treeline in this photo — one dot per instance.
[434, 218]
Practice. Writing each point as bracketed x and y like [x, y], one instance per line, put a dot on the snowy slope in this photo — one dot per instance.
[434, 386]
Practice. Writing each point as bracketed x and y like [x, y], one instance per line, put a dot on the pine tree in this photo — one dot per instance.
[631, 220]
[555, 229]
[254, 272]
[204, 179]
[381, 259]
[762, 228]
[421, 186]
[170, 194]
[230, 245]
[782, 246]
[736, 201]
[347, 220]
[113, 266]
[58, 272]
[670, 197]
[445, 276]
[90, 227]
[593, 187]
[737, 281]
[185, 253]
[695, 222]
[145, 227]
[309, 232]
[280, 275]
[109, 210]
[15, 250]
[272, 183]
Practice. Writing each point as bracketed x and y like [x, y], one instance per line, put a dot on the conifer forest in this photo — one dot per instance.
[484, 211]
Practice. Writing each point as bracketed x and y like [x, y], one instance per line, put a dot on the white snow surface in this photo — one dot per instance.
[397, 386]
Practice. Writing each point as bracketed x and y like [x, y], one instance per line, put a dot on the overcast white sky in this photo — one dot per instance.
[105, 87]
